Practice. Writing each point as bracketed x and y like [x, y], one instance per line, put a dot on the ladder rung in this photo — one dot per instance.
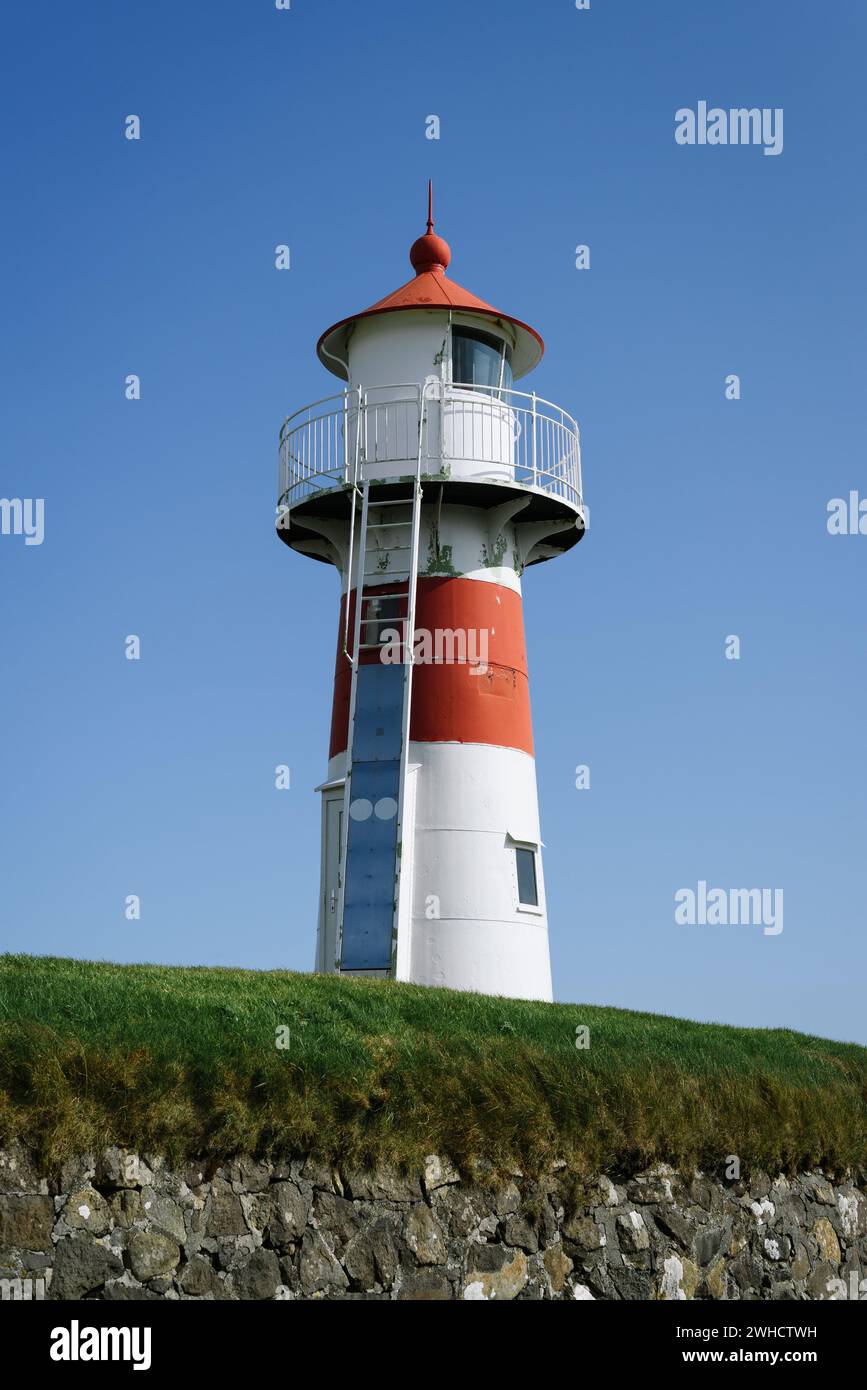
[395, 502]
[393, 593]
[377, 646]
[386, 525]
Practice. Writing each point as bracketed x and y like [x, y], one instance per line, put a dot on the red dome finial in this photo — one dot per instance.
[430, 252]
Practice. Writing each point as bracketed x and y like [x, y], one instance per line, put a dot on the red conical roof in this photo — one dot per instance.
[431, 288]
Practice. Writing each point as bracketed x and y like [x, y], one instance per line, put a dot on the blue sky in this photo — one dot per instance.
[156, 257]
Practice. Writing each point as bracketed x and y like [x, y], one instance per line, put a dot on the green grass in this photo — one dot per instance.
[184, 1061]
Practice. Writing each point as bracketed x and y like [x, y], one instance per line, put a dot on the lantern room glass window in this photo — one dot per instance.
[480, 360]
[528, 891]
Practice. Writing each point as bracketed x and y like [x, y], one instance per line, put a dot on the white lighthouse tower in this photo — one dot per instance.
[431, 485]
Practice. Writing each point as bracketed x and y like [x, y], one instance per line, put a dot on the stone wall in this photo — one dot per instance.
[124, 1226]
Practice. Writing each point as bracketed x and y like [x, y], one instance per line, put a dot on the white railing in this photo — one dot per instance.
[467, 432]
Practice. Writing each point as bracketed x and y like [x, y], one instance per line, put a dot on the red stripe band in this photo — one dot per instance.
[469, 682]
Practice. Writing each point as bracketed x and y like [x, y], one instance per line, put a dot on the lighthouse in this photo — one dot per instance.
[431, 484]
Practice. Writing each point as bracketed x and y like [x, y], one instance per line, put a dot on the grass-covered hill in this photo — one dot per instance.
[186, 1062]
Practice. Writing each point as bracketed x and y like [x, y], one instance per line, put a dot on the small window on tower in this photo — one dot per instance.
[381, 616]
[528, 892]
[480, 360]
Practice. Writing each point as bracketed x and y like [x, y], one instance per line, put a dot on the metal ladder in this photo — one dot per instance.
[378, 744]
